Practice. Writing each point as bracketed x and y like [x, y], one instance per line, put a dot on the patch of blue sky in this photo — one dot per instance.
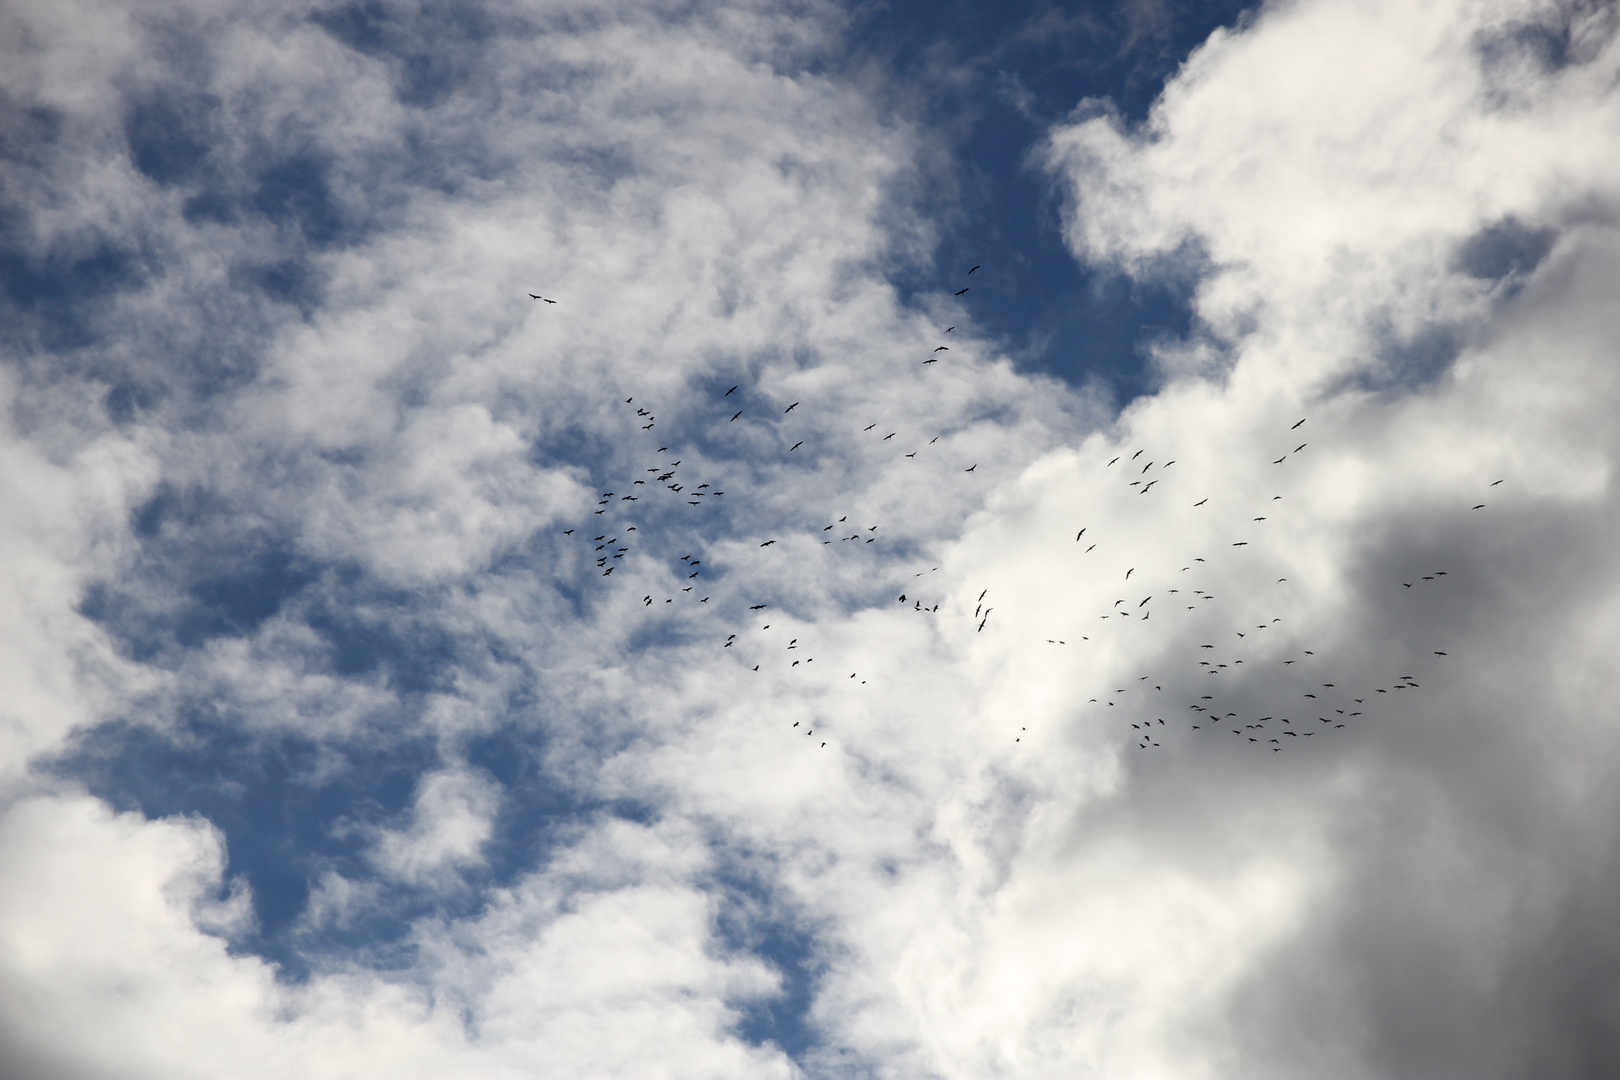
[990, 80]
[290, 807]
[428, 45]
[755, 915]
[54, 300]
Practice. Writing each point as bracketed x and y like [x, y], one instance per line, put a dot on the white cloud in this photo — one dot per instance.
[109, 976]
[450, 824]
[63, 528]
[697, 214]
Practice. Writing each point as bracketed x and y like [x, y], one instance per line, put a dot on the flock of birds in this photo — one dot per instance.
[1179, 698]
[1318, 701]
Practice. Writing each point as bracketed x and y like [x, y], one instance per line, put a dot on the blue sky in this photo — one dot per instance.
[1176, 647]
[991, 80]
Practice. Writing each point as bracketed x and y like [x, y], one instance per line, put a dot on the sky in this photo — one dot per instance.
[809, 540]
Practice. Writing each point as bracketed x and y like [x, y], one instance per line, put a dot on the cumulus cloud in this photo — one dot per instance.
[111, 976]
[1396, 233]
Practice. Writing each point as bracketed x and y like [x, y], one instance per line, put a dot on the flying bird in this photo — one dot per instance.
[790, 408]
[728, 393]
[1481, 506]
[795, 446]
[767, 543]
[970, 468]
[533, 297]
[975, 268]
[1493, 483]
[1201, 502]
[735, 415]
[959, 292]
[943, 348]
[1302, 420]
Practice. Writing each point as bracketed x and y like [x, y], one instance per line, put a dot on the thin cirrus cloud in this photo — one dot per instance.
[358, 760]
